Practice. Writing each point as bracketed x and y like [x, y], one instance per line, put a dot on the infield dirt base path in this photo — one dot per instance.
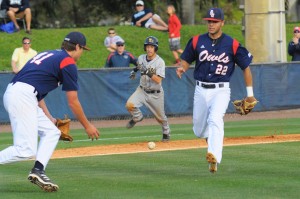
[168, 146]
[180, 144]
[175, 145]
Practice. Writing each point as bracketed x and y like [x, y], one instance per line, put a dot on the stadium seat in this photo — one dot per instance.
[4, 18]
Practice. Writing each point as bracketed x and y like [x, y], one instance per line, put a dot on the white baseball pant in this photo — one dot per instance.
[28, 121]
[210, 106]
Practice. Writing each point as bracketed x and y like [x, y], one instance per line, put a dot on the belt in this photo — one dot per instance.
[150, 91]
[211, 85]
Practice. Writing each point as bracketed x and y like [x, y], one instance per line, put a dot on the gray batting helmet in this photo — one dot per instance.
[151, 41]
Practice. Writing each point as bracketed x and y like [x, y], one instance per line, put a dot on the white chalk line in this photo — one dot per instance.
[121, 138]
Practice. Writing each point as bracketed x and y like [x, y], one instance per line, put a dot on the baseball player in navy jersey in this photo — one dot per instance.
[28, 113]
[150, 92]
[215, 55]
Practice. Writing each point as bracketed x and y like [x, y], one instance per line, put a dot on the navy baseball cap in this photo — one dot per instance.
[77, 38]
[214, 14]
[120, 42]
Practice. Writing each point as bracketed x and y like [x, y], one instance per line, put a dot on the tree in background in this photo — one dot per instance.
[84, 13]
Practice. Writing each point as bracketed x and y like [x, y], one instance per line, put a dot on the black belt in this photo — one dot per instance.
[150, 91]
[210, 86]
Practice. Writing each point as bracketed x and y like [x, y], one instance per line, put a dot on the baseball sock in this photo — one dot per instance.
[39, 166]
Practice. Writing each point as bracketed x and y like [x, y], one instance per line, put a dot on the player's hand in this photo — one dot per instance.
[92, 132]
[180, 71]
[53, 120]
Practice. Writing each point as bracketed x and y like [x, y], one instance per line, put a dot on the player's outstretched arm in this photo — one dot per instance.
[249, 85]
[43, 106]
[77, 110]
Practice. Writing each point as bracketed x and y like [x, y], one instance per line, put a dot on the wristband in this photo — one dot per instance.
[249, 91]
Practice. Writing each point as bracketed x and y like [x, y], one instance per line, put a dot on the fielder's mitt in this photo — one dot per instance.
[64, 126]
[245, 106]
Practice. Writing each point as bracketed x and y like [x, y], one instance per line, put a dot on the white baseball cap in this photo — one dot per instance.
[139, 2]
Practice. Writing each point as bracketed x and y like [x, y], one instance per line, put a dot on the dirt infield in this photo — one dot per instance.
[167, 146]
[182, 144]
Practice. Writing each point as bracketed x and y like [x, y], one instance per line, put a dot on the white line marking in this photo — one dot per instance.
[120, 138]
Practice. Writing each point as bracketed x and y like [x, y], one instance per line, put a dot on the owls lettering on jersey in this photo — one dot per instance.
[215, 62]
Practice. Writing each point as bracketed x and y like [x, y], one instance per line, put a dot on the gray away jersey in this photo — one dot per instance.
[158, 65]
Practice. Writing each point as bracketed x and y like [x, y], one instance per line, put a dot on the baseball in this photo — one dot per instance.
[151, 145]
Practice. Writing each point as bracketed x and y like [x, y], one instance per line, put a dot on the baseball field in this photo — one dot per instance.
[260, 160]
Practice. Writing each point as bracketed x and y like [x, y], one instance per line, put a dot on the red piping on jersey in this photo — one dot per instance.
[195, 41]
[235, 44]
[67, 61]
[110, 55]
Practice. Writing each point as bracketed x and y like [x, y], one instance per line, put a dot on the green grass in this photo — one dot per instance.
[48, 39]
[253, 171]
[250, 171]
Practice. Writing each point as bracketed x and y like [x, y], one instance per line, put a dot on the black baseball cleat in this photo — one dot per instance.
[130, 124]
[165, 138]
[40, 179]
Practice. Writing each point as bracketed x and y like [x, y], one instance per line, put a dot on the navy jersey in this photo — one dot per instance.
[138, 15]
[215, 62]
[124, 60]
[47, 70]
[294, 51]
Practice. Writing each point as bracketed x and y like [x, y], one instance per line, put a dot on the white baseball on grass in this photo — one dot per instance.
[151, 145]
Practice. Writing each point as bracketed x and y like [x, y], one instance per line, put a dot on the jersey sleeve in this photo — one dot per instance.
[133, 60]
[15, 55]
[106, 42]
[69, 75]
[160, 71]
[188, 54]
[243, 57]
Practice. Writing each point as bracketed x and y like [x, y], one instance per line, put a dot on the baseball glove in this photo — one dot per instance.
[245, 106]
[132, 75]
[64, 126]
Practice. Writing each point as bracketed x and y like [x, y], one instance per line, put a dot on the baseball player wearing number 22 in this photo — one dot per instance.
[215, 55]
[150, 92]
[28, 113]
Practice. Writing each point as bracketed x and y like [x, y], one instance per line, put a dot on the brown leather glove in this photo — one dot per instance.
[64, 126]
[245, 106]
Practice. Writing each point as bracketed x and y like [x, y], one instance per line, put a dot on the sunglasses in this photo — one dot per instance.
[26, 43]
[296, 31]
[111, 33]
[138, 5]
[120, 45]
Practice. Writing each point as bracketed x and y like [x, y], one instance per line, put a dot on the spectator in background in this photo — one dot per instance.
[111, 39]
[294, 45]
[146, 18]
[120, 58]
[174, 33]
[21, 55]
[18, 9]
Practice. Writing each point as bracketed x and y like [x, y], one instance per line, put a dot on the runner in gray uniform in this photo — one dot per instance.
[150, 92]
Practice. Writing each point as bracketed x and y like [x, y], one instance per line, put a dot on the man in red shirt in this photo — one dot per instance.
[174, 33]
